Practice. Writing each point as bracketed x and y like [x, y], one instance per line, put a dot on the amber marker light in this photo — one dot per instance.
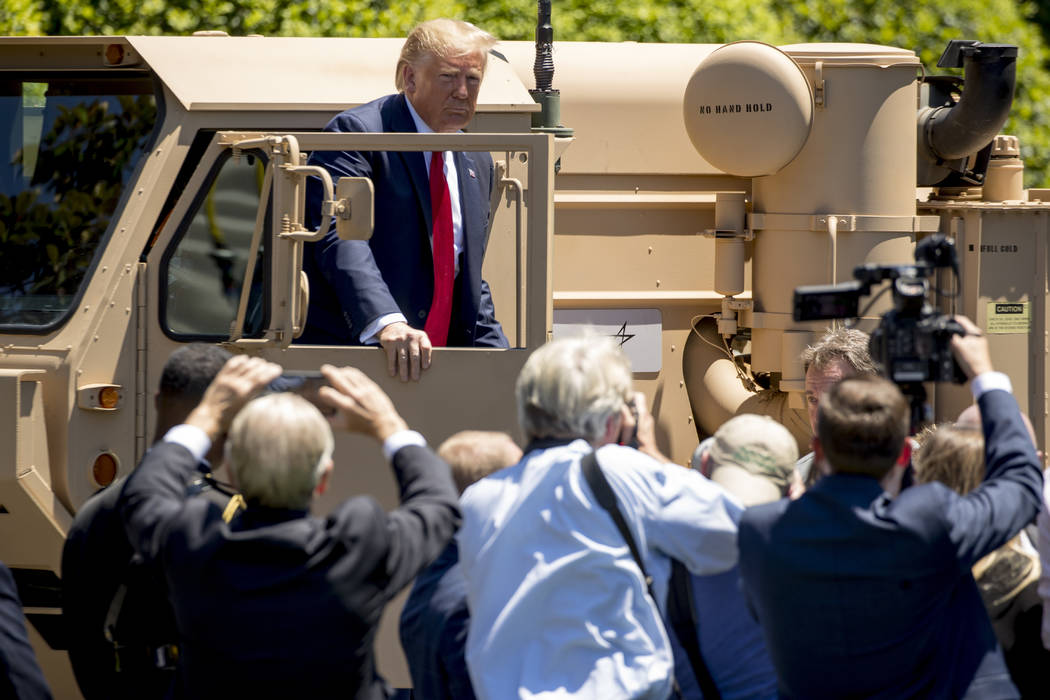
[108, 397]
[100, 397]
[104, 470]
[114, 54]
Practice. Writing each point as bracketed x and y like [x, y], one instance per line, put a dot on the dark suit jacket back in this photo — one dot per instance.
[354, 282]
[863, 596]
[96, 560]
[278, 603]
[20, 675]
[434, 625]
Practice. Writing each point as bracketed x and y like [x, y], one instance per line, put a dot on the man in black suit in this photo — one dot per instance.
[278, 603]
[104, 585]
[861, 595]
[20, 675]
[384, 290]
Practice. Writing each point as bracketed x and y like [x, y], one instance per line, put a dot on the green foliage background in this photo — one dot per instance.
[922, 25]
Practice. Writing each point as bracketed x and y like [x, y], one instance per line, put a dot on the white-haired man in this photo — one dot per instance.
[417, 283]
[277, 603]
[558, 604]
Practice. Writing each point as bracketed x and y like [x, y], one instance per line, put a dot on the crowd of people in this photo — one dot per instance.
[583, 564]
[580, 564]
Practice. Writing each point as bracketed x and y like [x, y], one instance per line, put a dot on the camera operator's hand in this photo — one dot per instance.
[362, 407]
[239, 380]
[971, 350]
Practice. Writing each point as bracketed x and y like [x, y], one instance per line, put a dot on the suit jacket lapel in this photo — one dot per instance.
[414, 162]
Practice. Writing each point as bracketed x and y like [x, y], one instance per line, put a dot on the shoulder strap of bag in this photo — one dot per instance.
[603, 493]
[681, 612]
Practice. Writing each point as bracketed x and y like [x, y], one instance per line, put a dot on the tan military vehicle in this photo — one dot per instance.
[151, 195]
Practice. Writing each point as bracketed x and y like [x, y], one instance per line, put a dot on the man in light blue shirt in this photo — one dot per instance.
[558, 605]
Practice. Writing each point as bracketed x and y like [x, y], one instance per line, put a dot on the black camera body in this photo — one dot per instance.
[912, 342]
[911, 350]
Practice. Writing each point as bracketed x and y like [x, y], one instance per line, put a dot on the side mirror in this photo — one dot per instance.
[354, 208]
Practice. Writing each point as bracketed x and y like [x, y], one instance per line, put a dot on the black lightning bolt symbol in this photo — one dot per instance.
[622, 334]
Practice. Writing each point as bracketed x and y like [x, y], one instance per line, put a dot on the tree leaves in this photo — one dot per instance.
[50, 230]
[922, 25]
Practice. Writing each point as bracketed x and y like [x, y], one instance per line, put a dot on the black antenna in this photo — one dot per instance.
[543, 68]
[548, 119]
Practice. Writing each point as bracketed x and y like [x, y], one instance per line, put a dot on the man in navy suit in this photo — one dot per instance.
[861, 595]
[383, 290]
[435, 618]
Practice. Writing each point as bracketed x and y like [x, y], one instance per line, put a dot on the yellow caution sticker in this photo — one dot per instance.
[1009, 317]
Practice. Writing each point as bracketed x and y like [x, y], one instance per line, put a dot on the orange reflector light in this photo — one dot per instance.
[100, 397]
[104, 470]
[109, 397]
[114, 54]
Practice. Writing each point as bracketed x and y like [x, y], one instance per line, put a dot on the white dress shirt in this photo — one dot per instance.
[368, 335]
[558, 606]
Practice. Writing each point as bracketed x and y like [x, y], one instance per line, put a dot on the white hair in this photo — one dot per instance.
[570, 387]
[277, 450]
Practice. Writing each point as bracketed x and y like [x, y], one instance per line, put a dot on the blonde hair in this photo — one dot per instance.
[474, 454]
[278, 448]
[443, 38]
[570, 387]
[952, 455]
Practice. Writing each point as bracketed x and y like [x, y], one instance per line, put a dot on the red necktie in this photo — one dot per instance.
[444, 263]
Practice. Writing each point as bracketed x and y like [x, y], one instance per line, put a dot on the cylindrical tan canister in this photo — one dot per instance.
[1004, 181]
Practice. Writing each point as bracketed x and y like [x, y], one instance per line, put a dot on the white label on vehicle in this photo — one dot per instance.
[1009, 317]
[638, 331]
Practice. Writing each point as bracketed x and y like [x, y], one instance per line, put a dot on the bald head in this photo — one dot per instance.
[971, 418]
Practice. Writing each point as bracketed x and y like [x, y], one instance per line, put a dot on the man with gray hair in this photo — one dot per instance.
[840, 353]
[558, 597]
[277, 603]
[417, 283]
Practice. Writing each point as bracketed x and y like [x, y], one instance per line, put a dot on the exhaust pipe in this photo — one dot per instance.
[956, 131]
[717, 393]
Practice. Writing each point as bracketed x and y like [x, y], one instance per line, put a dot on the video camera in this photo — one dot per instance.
[911, 343]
